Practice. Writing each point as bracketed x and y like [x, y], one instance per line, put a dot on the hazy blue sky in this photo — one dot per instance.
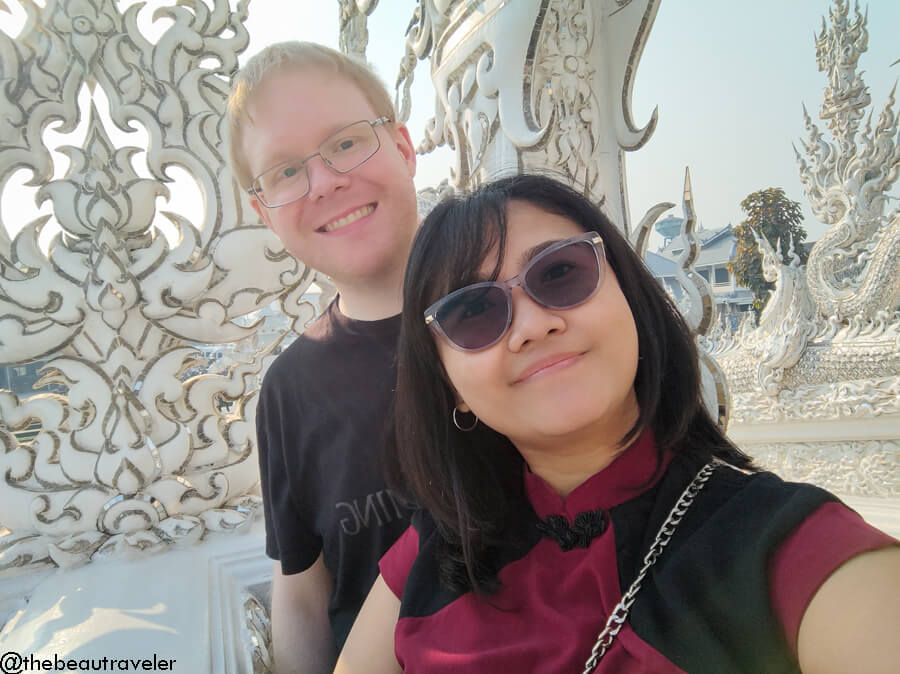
[729, 77]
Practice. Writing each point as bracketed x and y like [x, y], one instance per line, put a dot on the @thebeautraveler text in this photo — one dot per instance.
[16, 663]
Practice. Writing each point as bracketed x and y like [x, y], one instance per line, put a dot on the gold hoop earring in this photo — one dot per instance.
[457, 424]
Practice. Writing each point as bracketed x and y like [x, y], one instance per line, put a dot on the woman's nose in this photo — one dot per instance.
[531, 321]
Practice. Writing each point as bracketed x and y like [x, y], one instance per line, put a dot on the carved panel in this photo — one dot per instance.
[139, 453]
[536, 84]
[837, 400]
[853, 468]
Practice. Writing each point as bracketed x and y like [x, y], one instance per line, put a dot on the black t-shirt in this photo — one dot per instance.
[320, 426]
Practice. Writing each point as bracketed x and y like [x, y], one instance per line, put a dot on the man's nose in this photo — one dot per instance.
[323, 179]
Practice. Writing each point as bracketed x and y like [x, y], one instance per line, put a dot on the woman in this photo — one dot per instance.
[551, 427]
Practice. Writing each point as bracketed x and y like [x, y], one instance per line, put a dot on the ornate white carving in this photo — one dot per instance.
[867, 468]
[533, 84]
[567, 100]
[853, 269]
[429, 197]
[853, 399]
[354, 33]
[696, 304]
[786, 324]
[137, 456]
[258, 624]
[828, 342]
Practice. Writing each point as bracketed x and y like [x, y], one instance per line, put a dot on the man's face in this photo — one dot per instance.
[356, 226]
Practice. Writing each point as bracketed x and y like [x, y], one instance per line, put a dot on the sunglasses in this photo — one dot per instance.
[561, 276]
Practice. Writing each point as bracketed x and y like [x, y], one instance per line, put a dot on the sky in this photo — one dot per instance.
[729, 78]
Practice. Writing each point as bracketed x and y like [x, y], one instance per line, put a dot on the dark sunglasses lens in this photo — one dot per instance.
[475, 318]
[564, 277]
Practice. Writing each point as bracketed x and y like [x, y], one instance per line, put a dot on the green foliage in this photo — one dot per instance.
[771, 214]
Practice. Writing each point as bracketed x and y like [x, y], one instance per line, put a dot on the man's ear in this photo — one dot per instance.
[262, 211]
[405, 146]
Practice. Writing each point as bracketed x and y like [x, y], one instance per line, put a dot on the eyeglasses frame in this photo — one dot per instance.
[257, 193]
[519, 281]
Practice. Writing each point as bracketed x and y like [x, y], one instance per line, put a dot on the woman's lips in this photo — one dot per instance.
[547, 365]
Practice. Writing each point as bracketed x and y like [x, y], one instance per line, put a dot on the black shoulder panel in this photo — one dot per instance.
[705, 603]
[424, 594]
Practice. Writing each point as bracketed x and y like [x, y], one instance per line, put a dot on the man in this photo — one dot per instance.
[312, 138]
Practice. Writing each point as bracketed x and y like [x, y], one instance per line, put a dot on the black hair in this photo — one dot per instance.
[471, 483]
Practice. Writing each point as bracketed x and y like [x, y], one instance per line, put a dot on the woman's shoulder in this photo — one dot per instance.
[727, 550]
[750, 494]
[748, 514]
[762, 501]
[763, 479]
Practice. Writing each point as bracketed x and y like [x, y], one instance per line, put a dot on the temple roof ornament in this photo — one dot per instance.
[852, 271]
[824, 362]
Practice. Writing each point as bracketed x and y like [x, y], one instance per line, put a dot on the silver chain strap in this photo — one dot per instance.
[620, 613]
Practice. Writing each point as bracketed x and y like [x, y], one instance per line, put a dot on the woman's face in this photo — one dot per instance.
[555, 373]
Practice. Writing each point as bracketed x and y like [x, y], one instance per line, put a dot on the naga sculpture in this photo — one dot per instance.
[816, 385]
[789, 314]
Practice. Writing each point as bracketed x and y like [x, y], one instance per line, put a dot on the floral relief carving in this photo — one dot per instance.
[535, 84]
[860, 399]
[564, 62]
[145, 447]
[867, 468]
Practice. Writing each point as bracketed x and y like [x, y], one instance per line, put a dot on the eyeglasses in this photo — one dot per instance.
[342, 151]
[561, 276]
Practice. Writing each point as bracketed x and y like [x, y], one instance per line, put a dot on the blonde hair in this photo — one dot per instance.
[285, 56]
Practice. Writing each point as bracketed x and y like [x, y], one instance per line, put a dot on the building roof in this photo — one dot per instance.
[716, 247]
[660, 266]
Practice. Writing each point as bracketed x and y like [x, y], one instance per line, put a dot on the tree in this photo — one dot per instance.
[771, 214]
